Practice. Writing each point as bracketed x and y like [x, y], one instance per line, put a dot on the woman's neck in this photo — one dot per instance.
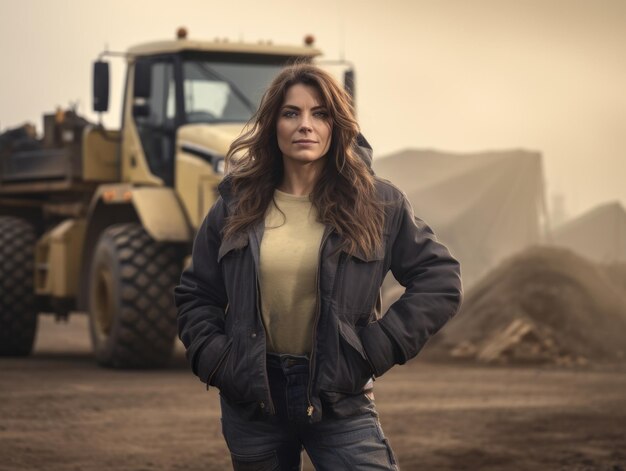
[300, 178]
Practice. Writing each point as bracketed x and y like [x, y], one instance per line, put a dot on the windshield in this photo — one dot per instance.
[224, 91]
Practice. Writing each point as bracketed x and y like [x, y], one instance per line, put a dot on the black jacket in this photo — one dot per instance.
[219, 317]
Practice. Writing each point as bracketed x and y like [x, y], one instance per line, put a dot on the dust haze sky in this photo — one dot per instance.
[546, 75]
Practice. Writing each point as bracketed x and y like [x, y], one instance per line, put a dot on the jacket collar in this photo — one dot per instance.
[225, 189]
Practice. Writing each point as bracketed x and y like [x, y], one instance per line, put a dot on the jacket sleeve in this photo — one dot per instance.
[201, 299]
[432, 296]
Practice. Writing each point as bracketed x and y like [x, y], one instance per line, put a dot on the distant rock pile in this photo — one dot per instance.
[545, 305]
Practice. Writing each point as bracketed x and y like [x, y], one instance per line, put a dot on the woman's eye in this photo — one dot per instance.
[321, 114]
[289, 114]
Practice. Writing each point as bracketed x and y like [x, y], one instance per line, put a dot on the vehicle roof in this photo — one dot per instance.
[261, 48]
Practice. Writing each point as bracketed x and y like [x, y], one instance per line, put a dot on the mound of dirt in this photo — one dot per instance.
[544, 305]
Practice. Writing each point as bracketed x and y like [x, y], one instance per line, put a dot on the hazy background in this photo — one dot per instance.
[546, 75]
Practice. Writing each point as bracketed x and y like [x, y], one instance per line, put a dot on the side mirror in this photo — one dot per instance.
[349, 84]
[142, 83]
[100, 86]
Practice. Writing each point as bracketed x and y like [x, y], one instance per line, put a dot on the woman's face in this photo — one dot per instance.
[304, 127]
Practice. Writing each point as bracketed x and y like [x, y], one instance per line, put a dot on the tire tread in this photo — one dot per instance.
[18, 312]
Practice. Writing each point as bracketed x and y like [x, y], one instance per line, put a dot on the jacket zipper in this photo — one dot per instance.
[272, 409]
[318, 308]
[267, 382]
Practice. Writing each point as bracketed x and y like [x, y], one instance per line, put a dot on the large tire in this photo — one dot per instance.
[131, 302]
[18, 309]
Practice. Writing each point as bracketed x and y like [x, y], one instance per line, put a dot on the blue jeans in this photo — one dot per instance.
[352, 443]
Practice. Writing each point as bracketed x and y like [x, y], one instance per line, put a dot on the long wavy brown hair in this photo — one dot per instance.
[344, 195]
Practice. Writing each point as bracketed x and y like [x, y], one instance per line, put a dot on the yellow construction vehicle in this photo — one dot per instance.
[101, 221]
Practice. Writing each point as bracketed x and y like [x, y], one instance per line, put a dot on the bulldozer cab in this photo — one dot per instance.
[185, 102]
[193, 88]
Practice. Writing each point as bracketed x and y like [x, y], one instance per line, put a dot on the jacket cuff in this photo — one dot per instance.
[378, 348]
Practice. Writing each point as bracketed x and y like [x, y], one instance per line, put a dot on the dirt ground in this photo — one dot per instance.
[59, 411]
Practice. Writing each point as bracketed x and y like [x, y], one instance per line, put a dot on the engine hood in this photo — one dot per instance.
[214, 139]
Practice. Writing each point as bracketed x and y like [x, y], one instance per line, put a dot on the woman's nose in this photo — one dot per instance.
[305, 124]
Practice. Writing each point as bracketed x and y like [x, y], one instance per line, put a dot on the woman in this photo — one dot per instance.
[279, 308]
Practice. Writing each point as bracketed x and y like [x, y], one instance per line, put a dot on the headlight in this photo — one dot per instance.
[219, 165]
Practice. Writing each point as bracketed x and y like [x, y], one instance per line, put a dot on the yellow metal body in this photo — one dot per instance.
[100, 155]
[196, 185]
[262, 48]
[160, 214]
[57, 259]
[134, 163]
[196, 180]
[158, 209]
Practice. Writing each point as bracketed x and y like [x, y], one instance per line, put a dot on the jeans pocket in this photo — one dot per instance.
[390, 454]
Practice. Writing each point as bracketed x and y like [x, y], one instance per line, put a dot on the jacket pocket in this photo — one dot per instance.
[360, 278]
[233, 377]
[351, 338]
[216, 375]
[352, 370]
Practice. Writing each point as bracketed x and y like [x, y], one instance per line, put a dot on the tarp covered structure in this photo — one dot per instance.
[483, 206]
[599, 234]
